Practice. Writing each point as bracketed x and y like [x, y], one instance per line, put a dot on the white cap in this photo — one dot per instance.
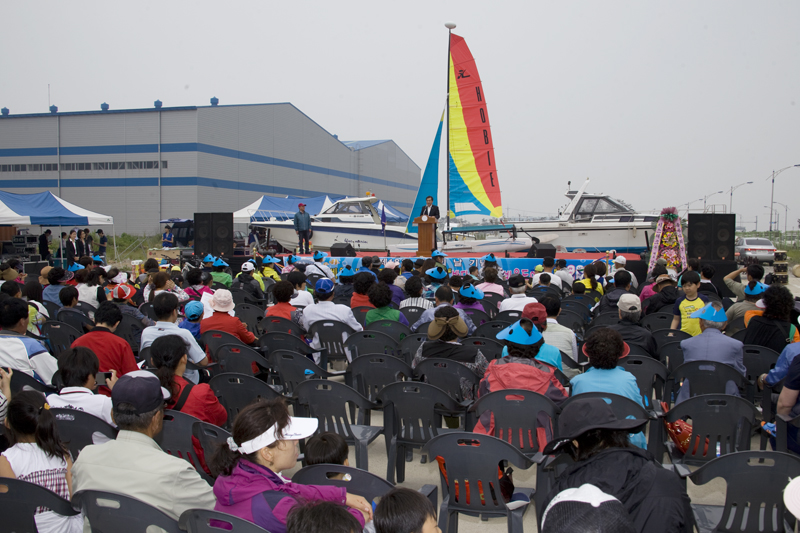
[791, 497]
[620, 260]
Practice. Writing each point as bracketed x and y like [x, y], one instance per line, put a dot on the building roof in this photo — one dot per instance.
[360, 145]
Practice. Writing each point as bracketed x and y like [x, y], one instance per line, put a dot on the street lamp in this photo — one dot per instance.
[730, 207]
[772, 194]
[785, 218]
[771, 209]
[705, 199]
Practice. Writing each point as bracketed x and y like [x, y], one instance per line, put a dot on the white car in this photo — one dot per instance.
[754, 248]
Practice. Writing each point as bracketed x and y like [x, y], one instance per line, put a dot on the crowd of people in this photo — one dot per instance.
[100, 374]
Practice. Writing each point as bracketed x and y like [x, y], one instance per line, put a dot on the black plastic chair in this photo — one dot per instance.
[278, 340]
[721, 424]
[490, 348]
[371, 342]
[671, 354]
[508, 317]
[757, 360]
[517, 414]
[572, 320]
[578, 307]
[20, 499]
[60, 336]
[331, 335]
[411, 418]
[411, 344]
[210, 437]
[52, 308]
[478, 317]
[666, 336]
[491, 303]
[21, 380]
[582, 299]
[147, 310]
[294, 368]
[250, 315]
[651, 377]
[396, 330]
[371, 373]
[130, 330]
[540, 291]
[412, 313]
[734, 326]
[594, 295]
[278, 324]
[490, 329]
[237, 391]
[657, 321]
[214, 339]
[77, 320]
[626, 408]
[106, 511]
[327, 401]
[754, 494]
[200, 520]
[360, 313]
[76, 429]
[705, 377]
[239, 359]
[176, 440]
[447, 375]
[423, 328]
[740, 335]
[471, 461]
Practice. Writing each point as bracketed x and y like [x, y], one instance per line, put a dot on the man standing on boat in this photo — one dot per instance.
[302, 227]
[431, 210]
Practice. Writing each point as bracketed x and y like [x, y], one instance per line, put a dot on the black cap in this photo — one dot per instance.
[141, 389]
[517, 280]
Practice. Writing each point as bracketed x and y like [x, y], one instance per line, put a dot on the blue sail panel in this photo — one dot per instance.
[462, 200]
[430, 180]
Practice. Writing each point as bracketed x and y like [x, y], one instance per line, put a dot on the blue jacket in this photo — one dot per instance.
[782, 366]
[712, 345]
[302, 221]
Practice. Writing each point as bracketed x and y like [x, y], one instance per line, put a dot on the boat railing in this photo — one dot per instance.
[265, 215]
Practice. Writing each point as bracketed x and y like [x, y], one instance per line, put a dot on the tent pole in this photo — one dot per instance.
[61, 244]
[114, 236]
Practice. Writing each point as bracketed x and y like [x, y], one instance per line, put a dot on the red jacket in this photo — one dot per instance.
[112, 351]
[281, 309]
[359, 300]
[229, 324]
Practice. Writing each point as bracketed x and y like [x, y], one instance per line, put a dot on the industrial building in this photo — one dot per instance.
[144, 165]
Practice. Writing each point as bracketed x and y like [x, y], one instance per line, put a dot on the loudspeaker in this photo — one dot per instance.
[33, 268]
[711, 236]
[638, 269]
[342, 249]
[213, 234]
[540, 251]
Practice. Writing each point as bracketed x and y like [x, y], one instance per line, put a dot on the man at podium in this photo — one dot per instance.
[431, 210]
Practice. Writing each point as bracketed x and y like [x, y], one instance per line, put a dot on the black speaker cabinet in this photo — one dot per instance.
[213, 234]
[722, 269]
[711, 236]
[342, 249]
[541, 251]
[638, 269]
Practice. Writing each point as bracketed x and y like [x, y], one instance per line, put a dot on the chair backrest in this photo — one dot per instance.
[239, 359]
[578, 307]
[75, 428]
[754, 496]
[541, 291]
[582, 299]
[294, 368]
[734, 326]
[278, 324]
[491, 303]
[478, 317]
[623, 407]
[396, 330]
[490, 329]
[20, 380]
[411, 344]
[657, 321]
[207, 521]
[572, 320]
[758, 360]
[106, 511]
[176, 439]
[410, 411]
[508, 317]
[20, 499]
[517, 415]
[210, 437]
[740, 335]
[213, 339]
[651, 376]
[472, 460]
[706, 377]
[721, 424]
[52, 308]
[372, 372]
[665, 336]
[671, 354]
[278, 340]
[60, 336]
[360, 313]
[327, 401]
[369, 342]
[147, 310]
[490, 348]
[361, 482]
[250, 315]
[237, 391]
[130, 330]
[605, 319]
[331, 335]
[592, 294]
[447, 375]
[412, 313]
[75, 319]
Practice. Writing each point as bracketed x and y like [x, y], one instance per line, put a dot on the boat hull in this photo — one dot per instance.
[594, 237]
[363, 237]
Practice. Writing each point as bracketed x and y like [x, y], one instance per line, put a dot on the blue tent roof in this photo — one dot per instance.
[45, 209]
[280, 208]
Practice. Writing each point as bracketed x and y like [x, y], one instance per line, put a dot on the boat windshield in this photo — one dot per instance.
[349, 208]
[597, 206]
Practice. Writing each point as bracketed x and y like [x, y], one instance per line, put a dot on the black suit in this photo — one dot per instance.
[434, 212]
[44, 251]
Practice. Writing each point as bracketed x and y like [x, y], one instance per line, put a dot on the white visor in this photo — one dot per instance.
[298, 428]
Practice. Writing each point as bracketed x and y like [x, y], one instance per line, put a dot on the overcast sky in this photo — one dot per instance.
[659, 103]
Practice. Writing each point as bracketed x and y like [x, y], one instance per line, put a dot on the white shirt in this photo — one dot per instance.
[561, 337]
[565, 277]
[196, 354]
[554, 280]
[321, 269]
[25, 354]
[302, 298]
[634, 281]
[328, 311]
[517, 302]
[83, 399]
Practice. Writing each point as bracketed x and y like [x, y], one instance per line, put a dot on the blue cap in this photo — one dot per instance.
[220, 263]
[347, 271]
[323, 287]
[208, 259]
[491, 258]
[319, 255]
[293, 259]
[709, 313]
[75, 267]
[251, 261]
[270, 259]
[193, 310]
[471, 291]
[516, 333]
[437, 253]
[758, 289]
[97, 258]
[436, 273]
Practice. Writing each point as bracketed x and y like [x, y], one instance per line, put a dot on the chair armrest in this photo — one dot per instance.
[682, 470]
[432, 493]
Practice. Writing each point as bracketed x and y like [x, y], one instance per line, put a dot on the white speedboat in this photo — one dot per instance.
[595, 223]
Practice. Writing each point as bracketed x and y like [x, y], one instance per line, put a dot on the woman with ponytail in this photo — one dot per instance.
[590, 278]
[263, 444]
[38, 456]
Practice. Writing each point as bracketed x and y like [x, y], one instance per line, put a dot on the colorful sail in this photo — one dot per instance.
[430, 181]
[474, 189]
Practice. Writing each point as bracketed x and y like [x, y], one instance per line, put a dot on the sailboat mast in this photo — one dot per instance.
[450, 26]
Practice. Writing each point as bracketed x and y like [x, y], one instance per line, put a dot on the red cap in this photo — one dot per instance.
[535, 312]
[301, 204]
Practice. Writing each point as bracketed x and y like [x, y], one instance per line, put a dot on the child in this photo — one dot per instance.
[302, 297]
[328, 448]
[687, 304]
[39, 457]
[578, 288]
[194, 314]
[321, 517]
[473, 272]
[220, 275]
[405, 511]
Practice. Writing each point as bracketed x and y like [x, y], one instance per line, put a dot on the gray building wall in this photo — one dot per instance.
[219, 158]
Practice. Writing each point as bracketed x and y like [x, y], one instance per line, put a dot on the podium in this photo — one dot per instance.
[426, 232]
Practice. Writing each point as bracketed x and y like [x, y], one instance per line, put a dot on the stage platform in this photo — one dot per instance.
[590, 256]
